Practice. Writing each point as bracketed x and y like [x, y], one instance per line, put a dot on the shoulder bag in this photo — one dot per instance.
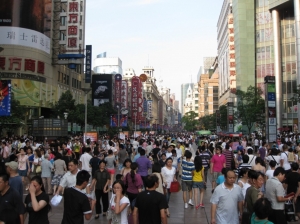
[274, 160]
[251, 160]
[109, 212]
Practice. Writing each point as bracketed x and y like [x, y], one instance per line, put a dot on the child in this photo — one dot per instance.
[221, 178]
[270, 172]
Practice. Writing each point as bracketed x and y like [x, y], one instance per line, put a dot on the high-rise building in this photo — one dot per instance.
[104, 65]
[184, 88]
[207, 62]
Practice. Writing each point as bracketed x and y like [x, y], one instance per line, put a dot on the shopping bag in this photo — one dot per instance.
[174, 187]
[289, 211]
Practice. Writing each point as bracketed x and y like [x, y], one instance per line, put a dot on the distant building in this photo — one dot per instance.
[103, 65]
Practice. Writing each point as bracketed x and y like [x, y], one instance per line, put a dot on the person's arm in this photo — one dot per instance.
[297, 193]
[94, 181]
[211, 166]
[135, 215]
[240, 206]
[203, 175]
[22, 218]
[106, 187]
[119, 208]
[36, 206]
[213, 213]
[163, 216]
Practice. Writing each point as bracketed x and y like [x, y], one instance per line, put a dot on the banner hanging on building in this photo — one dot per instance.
[149, 114]
[124, 95]
[136, 99]
[5, 98]
[118, 84]
[101, 89]
[88, 64]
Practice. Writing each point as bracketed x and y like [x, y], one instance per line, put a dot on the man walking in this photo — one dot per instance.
[15, 181]
[143, 165]
[227, 201]
[187, 178]
[150, 205]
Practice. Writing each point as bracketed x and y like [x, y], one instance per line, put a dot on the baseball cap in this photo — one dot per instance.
[13, 165]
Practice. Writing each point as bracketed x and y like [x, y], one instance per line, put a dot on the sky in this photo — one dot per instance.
[172, 36]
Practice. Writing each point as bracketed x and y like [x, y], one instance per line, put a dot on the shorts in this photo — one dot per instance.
[215, 176]
[22, 173]
[111, 171]
[56, 179]
[120, 166]
[199, 185]
[186, 185]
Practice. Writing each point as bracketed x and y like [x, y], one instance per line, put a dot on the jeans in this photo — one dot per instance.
[168, 195]
[104, 197]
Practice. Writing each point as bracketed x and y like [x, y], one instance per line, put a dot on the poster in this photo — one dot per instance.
[5, 98]
[102, 89]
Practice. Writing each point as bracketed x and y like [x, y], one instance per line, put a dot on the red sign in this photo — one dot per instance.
[16, 64]
[136, 99]
[124, 94]
[118, 84]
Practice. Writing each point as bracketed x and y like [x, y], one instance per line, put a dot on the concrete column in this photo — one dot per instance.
[277, 67]
[297, 30]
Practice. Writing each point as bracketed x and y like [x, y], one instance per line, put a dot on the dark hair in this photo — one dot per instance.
[245, 158]
[255, 175]
[126, 161]
[119, 176]
[110, 152]
[156, 168]
[219, 148]
[295, 166]
[226, 172]
[38, 153]
[58, 156]
[151, 180]
[278, 170]
[250, 151]
[142, 152]
[198, 163]
[75, 161]
[82, 176]
[133, 167]
[87, 149]
[39, 180]
[188, 154]
[272, 163]
[102, 161]
[163, 154]
[242, 172]
[251, 173]
[4, 176]
[224, 169]
[262, 208]
[122, 185]
[169, 159]
[260, 161]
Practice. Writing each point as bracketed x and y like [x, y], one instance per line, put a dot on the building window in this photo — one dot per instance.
[215, 98]
[63, 20]
[62, 35]
[215, 89]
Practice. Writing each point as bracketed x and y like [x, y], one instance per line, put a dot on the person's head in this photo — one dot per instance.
[142, 152]
[37, 182]
[262, 208]
[110, 152]
[198, 163]
[229, 177]
[272, 163]
[174, 152]
[11, 167]
[163, 156]
[257, 179]
[285, 147]
[4, 177]
[245, 158]
[218, 149]
[87, 149]
[243, 172]
[127, 163]
[279, 173]
[188, 154]
[46, 156]
[119, 185]
[119, 176]
[133, 166]
[82, 178]
[169, 162]
[151, 181]
[250, 151]
[73, 165]
[258, 160]
[156, 168]
[37, 153]
[295, 166]
[102, 164]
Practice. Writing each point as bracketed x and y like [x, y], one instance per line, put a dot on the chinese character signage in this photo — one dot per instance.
[26, 23]
[5, 98]
[88, 64]
[270, 96]
[149, 102]
[124, 94]
[102, 89]
[118, 84]
[136, 99]
[232, 71]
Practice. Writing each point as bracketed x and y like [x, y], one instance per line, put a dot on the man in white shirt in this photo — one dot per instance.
[135, 145]
[85, 160]
[284, 159]
[256, 144]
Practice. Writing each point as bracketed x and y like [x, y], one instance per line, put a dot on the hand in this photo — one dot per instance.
[32, 189]
[175, 180]
[213, 221]
[295, 199]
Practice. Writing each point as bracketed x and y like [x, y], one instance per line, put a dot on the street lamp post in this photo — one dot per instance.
[86, 91]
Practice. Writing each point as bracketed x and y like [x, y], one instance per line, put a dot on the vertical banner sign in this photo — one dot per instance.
[123, 120]
[149, 102]
[5, 98]
[140, 100]
[145, 105]
[124, 95]
[230, 116]
[88, 63]
[218, 120]
[270, 105]
[113, 120]
[134, 98]
[118, 84]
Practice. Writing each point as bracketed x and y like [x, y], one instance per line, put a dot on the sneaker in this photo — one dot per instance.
[191, 202]
[201, 205]
[186, 205]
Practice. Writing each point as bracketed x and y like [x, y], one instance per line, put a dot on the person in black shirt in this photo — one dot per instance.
[292, 179]
[150, 205]
[37, 202]
[11, 206]
[94, 162]
[76, 203]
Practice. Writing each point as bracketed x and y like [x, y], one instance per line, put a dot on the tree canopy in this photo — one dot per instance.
[189, 120]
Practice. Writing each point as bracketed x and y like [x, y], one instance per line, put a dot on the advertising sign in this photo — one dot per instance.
[93, 136]
[114, 120]
[118, 84]
[101, 89]
[26, 23]
[5, 98]
[149, 102]
[88, 64]
[271, 123]
[136, 99]
[124, 94]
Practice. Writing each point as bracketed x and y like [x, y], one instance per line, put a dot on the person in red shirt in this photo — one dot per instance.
[218, 162]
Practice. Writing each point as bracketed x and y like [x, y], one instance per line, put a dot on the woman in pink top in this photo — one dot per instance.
[23, 165]
[218, 161]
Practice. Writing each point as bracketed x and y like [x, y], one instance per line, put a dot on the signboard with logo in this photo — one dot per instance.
[88, 63]
[118, 86]
[270, 96]
[102, 89]
[5, 98]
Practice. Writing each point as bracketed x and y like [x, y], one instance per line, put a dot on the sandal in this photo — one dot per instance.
[97, 216]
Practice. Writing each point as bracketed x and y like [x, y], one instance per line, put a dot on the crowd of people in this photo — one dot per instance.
[131, 180]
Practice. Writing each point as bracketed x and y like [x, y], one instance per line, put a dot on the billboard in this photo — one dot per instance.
[26, 23]
[88, 64]
[5, 98]
[102, 87]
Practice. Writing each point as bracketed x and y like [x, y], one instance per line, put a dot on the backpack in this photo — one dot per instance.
[291, 157]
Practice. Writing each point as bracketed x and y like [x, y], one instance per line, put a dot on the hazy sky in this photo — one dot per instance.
[174, 34]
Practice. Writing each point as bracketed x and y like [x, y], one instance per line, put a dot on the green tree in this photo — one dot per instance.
[223, 117]
[189, 120]
[66, 103]
[208, 122]
[17, 117]
[250, 104]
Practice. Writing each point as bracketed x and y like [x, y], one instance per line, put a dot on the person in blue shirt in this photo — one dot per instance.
[221, 178]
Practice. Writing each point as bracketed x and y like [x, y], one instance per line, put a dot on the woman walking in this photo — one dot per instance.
[110, 165]
[37, 160]
[37, 202]
[126, 168]
[198, 182]
[23, 165]
[60, 169]
[168, 173]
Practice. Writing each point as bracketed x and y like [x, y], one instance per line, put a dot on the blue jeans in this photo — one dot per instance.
[168, 195]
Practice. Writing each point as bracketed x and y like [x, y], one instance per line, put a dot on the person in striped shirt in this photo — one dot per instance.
[187, 178]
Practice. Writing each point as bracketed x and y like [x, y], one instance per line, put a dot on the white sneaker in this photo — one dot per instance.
[191, 202]
[186, 205]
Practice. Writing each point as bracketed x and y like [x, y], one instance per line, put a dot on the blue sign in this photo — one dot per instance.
[145, 104]
[5, 98]
[271, 97]
[88, 64]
